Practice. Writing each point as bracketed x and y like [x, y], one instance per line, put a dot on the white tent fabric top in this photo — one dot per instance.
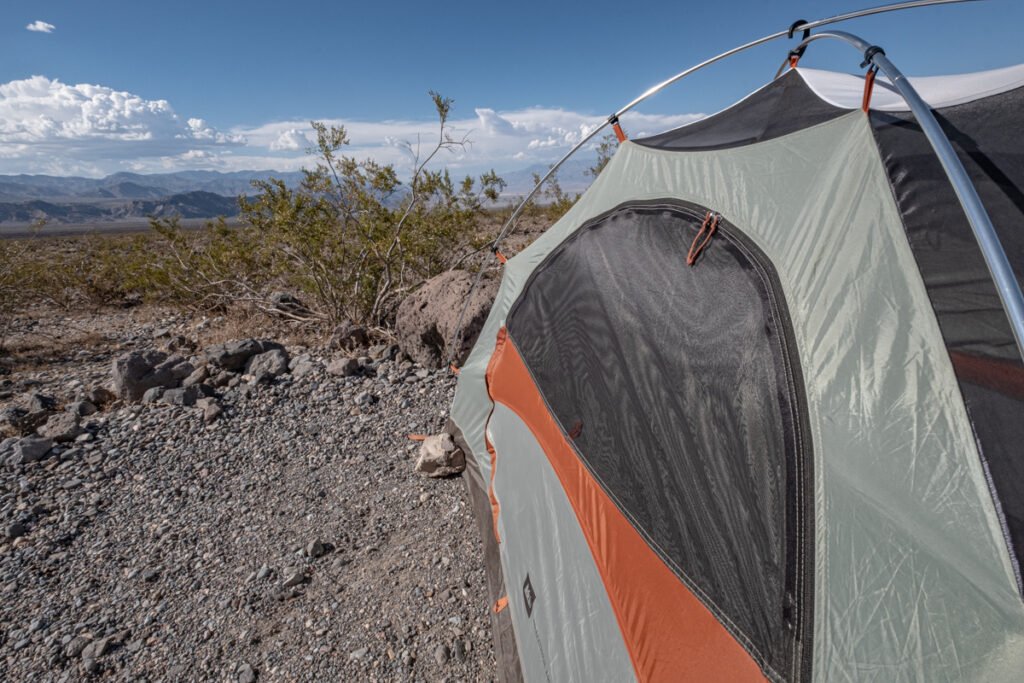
[846, 90]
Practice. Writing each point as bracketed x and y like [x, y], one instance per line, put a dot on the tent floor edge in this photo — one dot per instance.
[506, 653]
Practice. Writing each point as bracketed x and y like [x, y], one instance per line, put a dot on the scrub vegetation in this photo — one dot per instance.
[348, 243]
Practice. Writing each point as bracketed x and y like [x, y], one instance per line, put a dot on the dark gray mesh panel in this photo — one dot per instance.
[784, 106]
[678, 387]
[988, 135]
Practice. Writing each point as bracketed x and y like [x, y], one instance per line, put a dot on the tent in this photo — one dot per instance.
[754, 407]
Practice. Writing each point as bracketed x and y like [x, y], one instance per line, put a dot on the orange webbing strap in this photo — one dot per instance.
[793, 60]
[417, 437]
[501, 257]
[501, 604]
[707, 230]
[454, 369]
[869, 86]
[619, 133]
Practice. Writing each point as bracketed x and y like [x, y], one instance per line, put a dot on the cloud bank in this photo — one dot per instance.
[41, 27]
[47, 126]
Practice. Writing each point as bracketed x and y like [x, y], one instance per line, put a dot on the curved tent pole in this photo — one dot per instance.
[803, 26]
[991, 248]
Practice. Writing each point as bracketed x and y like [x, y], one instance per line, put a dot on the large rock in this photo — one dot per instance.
[428, 319]
[344, 367]
[266, 366]
[137, 371]
[185, 396]
[30, 449]
[61, 427]
[440, 457]
[234, 355]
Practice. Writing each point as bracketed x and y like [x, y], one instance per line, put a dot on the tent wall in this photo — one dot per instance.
[912, 575]
[986, 135]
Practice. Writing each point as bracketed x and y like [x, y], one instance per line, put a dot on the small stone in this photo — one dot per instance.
[343, 367]
[198, 376]
[211, 412]
[359, 655]
[266, 366]
[75, 646]
[16, 530]
[150, 575]
[40, 402]
[263, 573]
[287, 594]
[186, 396]
[441, 655]
[440, 457]
[315, 549]
[100, 396]
[153, 394]
[294, 577]
[246, 674]
[83, 408]
[96, 648]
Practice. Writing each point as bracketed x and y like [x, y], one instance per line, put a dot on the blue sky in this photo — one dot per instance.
[232, 85]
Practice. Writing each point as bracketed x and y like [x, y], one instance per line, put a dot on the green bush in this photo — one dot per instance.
[354, 238]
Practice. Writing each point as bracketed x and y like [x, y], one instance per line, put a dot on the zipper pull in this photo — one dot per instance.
[707, 231]
[788, 613]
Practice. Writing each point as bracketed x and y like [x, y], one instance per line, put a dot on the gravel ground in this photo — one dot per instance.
[289, 540]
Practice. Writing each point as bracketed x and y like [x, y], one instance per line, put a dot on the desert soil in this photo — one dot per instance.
[288, 540]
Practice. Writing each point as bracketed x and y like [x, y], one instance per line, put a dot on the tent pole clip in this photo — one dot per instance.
[796, 54]
[869, 55]
[619, 134]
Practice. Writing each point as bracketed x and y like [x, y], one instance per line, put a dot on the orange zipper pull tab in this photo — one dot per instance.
[707, 231]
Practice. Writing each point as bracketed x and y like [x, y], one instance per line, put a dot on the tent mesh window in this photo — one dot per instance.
[678, 387]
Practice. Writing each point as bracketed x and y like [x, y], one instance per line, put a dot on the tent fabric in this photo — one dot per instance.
[846, 90]
[506, 654]
[784, 106]
[986, 136]
[913, 575]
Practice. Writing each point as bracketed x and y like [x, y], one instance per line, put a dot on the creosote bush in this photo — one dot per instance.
[355, 238]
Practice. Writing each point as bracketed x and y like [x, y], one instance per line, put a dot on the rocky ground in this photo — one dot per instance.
[260, 523]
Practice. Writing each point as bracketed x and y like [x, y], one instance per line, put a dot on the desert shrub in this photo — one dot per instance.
[92, 270]
[211, 268]
[355, 238]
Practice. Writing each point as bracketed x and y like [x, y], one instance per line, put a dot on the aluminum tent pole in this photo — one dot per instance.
[984, 232]
[806, 26]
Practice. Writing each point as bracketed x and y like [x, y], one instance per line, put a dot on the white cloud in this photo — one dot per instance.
[41, 27]
[290, 140]
[47, 126]
[502, 140]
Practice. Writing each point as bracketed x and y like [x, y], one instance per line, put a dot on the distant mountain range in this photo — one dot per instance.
[20, 188]
[25, 199]
[66, 200]
[184, 205]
